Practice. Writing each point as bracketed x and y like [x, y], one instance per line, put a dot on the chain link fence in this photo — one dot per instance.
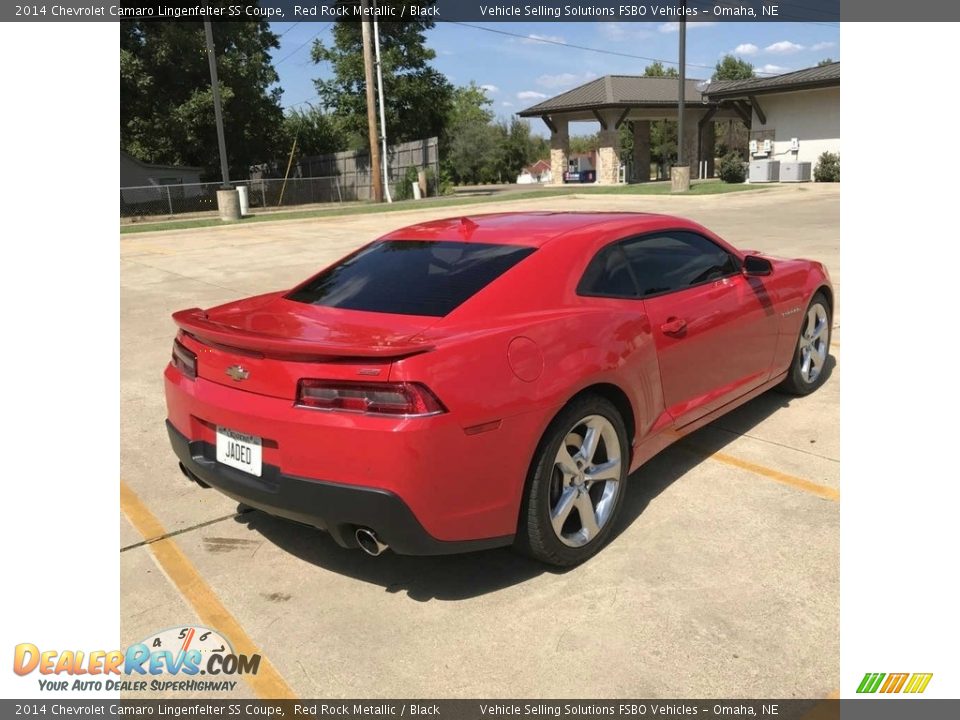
[323, 179]
[267, 193]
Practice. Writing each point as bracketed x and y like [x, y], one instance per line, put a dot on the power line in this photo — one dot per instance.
[550, 41]
[303, 45]
[287, 30]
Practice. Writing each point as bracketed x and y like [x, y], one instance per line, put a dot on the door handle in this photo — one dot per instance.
[674, 326]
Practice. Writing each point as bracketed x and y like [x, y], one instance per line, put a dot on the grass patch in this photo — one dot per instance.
[707, 187]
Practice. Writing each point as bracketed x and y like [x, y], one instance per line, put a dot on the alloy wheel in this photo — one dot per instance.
[814, 341]
[585, 481]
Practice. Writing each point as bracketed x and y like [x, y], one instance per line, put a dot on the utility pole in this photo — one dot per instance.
[375, 178]
[217, 109]
[680, 173]
[683, 86]
[228, 198]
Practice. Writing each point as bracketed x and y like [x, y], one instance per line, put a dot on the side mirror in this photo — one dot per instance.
[754, 266]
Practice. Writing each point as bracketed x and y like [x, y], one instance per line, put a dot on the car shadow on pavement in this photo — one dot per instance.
[460, 577]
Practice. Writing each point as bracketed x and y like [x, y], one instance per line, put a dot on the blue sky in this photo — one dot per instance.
[521, 71]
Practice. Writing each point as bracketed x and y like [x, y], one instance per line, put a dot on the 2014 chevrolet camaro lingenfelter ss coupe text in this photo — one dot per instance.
[489, 380]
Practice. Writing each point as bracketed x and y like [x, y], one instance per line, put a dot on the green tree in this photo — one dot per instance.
[663, 133]
[517, 148]
[584, 144]
[732, 68]
[316, 132]
[166, 103]
[469, 104]
[734, 135]
[826, 61]
[469, 138]
[417, 97]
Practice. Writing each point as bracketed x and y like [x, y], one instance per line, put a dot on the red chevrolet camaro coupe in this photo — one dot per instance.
[488, 380]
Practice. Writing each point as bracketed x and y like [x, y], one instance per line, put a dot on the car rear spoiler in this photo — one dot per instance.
[195, 322]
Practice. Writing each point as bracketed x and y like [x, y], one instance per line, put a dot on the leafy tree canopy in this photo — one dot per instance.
[316, 132]
[166, 103]
[417, 96]
[732, 68]
[826, 61]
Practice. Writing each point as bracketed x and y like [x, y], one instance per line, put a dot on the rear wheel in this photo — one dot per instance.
[806, 372]
[577, 484]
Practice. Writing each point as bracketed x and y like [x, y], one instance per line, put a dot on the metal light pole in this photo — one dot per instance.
[217, 109]
[384, 158]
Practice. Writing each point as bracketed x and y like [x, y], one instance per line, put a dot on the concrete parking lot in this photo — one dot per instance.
[723, 579]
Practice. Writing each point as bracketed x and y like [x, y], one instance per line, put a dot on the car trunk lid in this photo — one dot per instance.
[268, 343]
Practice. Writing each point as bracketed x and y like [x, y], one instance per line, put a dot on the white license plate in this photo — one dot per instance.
[244, 452]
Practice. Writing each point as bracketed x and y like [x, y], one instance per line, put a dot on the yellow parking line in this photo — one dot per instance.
[267, 683]
[823, 491]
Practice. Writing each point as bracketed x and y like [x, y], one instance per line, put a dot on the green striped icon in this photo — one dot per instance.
[895, 682]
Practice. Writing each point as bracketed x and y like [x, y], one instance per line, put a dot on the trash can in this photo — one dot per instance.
[244, 200]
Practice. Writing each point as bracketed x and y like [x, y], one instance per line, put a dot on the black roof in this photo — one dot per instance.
[618, 91]
[808, 78]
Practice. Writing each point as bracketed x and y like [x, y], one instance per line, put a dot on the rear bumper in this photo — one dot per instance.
[337, 508]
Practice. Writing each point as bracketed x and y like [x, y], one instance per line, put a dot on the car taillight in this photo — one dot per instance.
[380, 398]
[184, 360]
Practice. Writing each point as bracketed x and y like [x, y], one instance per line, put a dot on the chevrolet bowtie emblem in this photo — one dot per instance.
[238, 372]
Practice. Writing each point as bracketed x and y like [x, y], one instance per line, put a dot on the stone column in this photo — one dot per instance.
[641, 151]
[608, 152]
[559, 151]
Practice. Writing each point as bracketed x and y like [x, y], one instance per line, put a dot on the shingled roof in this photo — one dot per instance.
[617, 91]
[806, 79]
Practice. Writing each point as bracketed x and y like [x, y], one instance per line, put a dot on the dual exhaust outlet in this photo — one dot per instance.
[369, 542]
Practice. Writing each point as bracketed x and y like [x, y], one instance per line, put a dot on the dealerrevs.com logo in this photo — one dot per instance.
[187, 652]
[910, 683]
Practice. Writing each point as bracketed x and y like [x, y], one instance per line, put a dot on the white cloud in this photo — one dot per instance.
[823, 46]
[535, 39]
[622, 31]
[530, 95]
[565, 79]
[490, 88]
[746, 49]
[771, 69]
[672, 27]
[784, 47]
[506, 104]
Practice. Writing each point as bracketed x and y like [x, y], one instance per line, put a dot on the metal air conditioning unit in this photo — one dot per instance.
[764, 171]
[795, 172]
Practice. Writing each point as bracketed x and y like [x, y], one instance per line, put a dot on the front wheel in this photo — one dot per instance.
[577, 484]
[806, 372]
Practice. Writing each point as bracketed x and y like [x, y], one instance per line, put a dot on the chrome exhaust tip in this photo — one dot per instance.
[369, 542]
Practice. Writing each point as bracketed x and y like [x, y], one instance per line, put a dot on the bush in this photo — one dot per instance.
[403, 189]
[828, 168]
[732, 169]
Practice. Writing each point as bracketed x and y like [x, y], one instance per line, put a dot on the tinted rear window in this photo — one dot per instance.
[411, 277]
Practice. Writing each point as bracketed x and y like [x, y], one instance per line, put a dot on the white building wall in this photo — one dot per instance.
[811, 116]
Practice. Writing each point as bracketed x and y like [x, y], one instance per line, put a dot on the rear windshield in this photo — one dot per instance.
[411, 277]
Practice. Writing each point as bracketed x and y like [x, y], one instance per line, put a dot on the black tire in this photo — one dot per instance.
[799, 380]
[546, 483]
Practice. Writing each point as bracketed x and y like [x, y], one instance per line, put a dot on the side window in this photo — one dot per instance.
[608, 275]
[676, 260]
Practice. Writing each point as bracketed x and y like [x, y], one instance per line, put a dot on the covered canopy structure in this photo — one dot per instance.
[613, 100]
